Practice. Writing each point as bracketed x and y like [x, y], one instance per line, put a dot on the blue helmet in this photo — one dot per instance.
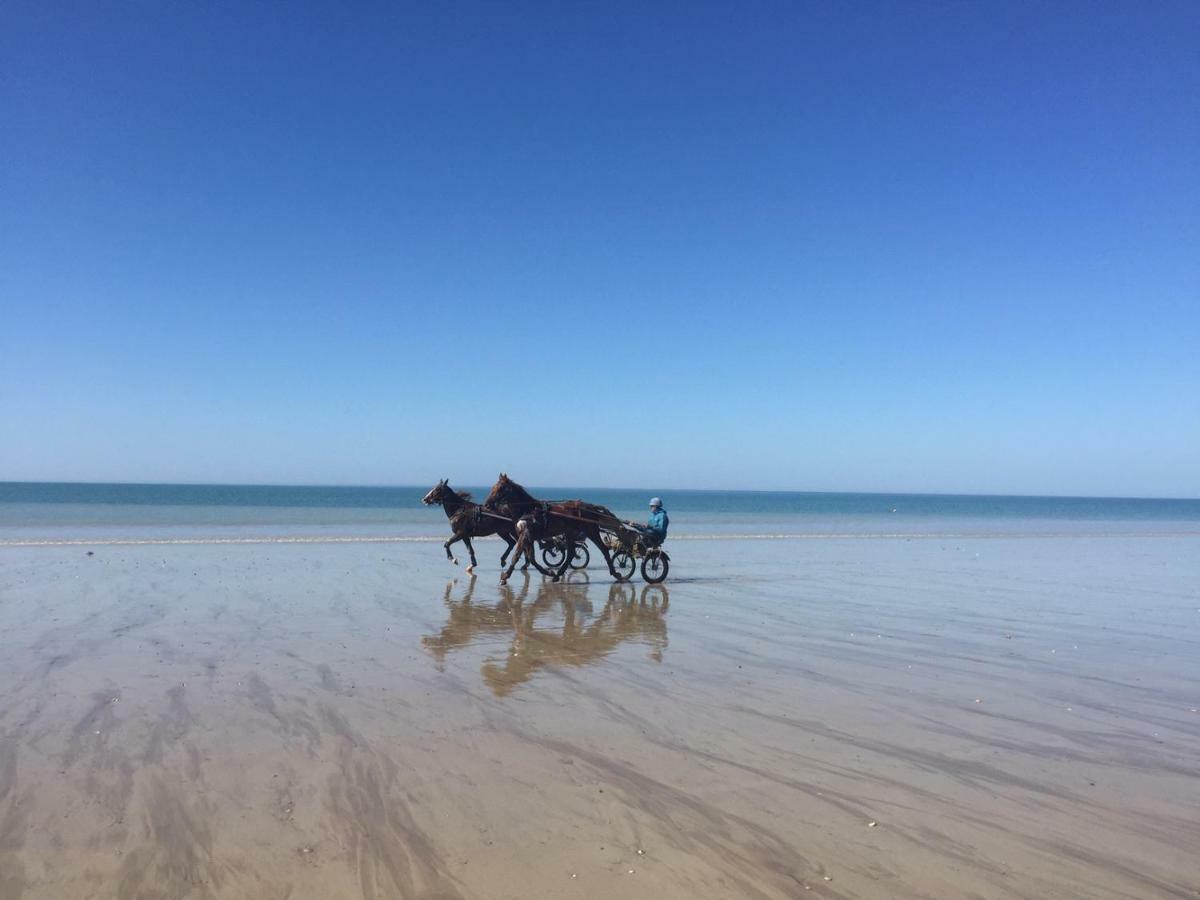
[654, 501]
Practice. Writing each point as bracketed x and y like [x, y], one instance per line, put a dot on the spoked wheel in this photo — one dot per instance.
[624, 564]
[654, 567]
[552, 554]
[580, 557]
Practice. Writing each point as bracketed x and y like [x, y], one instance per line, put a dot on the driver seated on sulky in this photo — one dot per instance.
[658, 521]
[654, 532]
[656, 526]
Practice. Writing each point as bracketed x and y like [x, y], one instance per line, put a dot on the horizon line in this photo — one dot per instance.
[906, 493]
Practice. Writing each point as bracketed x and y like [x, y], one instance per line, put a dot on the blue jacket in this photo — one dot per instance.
[658, 522]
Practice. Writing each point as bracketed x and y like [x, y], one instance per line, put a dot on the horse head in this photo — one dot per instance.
[436, 494]
[506, 492]
[500, 492]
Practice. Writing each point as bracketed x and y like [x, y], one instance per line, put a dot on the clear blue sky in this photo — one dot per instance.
[900, 246]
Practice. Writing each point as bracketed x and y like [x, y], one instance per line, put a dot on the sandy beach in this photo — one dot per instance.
[924, 717]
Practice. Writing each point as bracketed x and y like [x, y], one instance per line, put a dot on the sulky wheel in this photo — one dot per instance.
[580, 557]
[654, 568]
[552, 555]
[624, 564]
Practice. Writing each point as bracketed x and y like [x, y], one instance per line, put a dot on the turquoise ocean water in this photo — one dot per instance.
[68, 512]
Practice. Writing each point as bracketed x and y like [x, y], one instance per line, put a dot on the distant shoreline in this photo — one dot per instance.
[220, 485]
[550, 490]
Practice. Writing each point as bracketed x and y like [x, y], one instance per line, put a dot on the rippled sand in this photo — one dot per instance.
[843, 718]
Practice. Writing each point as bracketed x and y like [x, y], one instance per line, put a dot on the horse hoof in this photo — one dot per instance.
[470, 568]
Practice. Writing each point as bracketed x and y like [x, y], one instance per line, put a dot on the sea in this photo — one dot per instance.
[60, 513]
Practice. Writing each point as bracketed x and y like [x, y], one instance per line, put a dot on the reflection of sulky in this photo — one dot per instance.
[581, 640]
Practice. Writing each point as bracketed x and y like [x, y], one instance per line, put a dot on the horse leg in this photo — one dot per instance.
[531, 555]
[471, 550]
[531, 548]
[529, 552]
[593, 535]
[569, 541]
[508, 539]
[533, 559]
[450, 556]
[526, 550]
[522, 543]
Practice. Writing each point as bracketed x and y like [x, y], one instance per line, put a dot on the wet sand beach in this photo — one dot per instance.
[910, 717]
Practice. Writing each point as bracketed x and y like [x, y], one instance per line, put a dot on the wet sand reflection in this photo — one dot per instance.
[870, 719]
[551, 625]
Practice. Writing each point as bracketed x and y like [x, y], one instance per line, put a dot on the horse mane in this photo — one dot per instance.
[520, 492]
[464, 495]
[514, 492]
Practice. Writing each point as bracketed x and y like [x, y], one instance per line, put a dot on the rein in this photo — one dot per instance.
[483, 512]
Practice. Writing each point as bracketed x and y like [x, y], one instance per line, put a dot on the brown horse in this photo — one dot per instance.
[468, 520]
[538, 520]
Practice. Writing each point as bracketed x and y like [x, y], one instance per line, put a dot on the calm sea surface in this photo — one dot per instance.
[52, 511]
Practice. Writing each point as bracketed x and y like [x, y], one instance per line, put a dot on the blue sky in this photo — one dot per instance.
[900, 246]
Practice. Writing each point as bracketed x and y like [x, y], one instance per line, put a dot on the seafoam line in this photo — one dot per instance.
[137, 542]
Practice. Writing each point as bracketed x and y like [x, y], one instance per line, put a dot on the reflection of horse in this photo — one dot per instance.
[467, 622]
[540, 520]
[468, 520]
[538, 640]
